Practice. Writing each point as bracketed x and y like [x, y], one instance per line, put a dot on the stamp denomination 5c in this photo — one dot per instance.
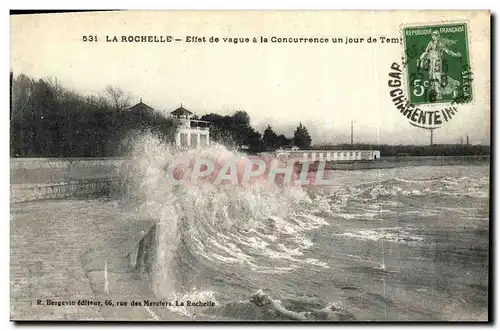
[437, 63]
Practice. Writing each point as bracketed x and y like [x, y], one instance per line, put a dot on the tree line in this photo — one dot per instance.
[236, 130]
[49, 120]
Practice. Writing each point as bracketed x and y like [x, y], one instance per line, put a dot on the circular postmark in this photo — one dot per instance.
[434, 76]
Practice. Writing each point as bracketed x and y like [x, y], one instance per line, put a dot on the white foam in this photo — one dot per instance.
[358, 216]
[291, 252]
[273, 270]
[316, 262]
[395, 235]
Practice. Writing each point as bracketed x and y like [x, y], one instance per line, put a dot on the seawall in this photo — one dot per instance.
[79, 188]
[53, 178]
[56, 170]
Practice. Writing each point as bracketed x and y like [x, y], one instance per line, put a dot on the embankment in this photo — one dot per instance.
[53, 178]
[79, 188]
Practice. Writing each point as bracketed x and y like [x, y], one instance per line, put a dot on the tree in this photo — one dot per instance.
[99, 102]
[284, 141]
[118, 97]
[219, 128]
[22, 96]
[234, 130]
[241, 118]
[46, 132]
[55, 86]
[253, 140]
[301, 137]
[49, 120]
[11, 79]
[22, 131]
[241, 128]
[270, 139]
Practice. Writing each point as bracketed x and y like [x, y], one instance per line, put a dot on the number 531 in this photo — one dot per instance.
[89, 38]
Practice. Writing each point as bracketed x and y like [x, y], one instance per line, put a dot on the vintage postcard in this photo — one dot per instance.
[250, 166]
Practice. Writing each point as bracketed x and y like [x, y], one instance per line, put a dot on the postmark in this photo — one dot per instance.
[434, 77]
[437, 63]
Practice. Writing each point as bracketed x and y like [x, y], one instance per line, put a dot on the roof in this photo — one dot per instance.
[140, 108]
[181, 111]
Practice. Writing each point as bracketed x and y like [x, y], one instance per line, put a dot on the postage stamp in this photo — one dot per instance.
[249, 166]
[437, 63]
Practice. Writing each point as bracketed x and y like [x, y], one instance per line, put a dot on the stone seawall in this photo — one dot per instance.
[81, 188]
[70, 162]
[58, 178]
[43, 170]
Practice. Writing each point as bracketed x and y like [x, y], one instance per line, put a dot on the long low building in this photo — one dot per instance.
[331, 155]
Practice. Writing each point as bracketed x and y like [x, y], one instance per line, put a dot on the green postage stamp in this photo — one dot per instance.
[437, 63]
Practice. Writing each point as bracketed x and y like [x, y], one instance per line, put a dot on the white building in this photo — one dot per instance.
[341, 155]
[333, 155]
[190, 133]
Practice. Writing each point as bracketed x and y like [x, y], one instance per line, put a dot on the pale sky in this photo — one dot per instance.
[324, 86]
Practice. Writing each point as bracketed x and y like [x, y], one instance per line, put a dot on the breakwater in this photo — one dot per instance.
[58, 178]
[82, 188]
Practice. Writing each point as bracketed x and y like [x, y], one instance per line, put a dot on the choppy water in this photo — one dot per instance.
[394, 244]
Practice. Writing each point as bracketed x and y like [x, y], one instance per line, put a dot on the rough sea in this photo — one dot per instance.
[401, 244]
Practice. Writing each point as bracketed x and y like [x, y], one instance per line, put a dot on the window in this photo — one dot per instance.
[184, 139]
[203, 140]
[194, 139]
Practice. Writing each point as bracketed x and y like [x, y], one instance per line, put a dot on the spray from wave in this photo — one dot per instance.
[258, 226]
[223, 243]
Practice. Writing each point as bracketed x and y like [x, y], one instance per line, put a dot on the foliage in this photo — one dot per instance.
[270, 140]
[48, 120]
[301, 137]
[234, 130]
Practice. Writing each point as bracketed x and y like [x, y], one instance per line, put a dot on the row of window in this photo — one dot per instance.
[339, 154]
[194, 140]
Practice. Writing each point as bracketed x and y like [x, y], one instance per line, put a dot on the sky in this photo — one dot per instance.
[324, 86]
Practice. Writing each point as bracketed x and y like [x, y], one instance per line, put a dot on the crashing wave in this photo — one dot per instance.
[227, 224]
